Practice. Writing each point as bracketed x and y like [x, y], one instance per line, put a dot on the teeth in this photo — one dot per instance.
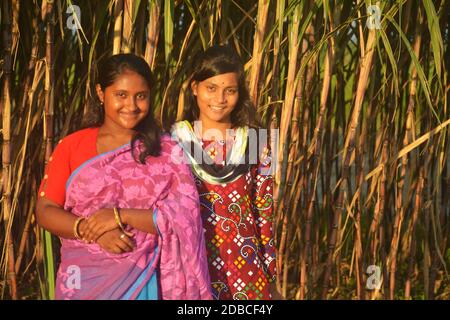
[216, 108]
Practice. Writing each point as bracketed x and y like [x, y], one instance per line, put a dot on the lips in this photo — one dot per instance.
[217, 108]
[129, 114]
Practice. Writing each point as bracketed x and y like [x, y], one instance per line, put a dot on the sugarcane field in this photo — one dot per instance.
[352, 96]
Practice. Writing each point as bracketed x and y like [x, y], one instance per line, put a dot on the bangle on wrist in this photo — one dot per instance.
[75, 228]
[119, 222]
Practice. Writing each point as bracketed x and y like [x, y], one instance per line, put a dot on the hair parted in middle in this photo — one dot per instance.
[148, 130]
[216, 60]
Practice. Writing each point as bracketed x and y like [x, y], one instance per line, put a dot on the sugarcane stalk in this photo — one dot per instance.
[24, 239]
[408, 133]
[129, 7]
[366, 64]
[412, 238]
[258, 50]
[48, 128]
[118, 26]
[37, 76]
[286, 112]
[276, 51]
[317, 142]
[6, 147]
[153, 32]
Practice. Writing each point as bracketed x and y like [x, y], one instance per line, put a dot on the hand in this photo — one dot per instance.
[115, 241]
[97, 224]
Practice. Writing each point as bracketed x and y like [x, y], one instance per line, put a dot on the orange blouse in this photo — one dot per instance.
[70, 153]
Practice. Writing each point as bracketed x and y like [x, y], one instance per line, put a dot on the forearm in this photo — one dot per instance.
[56, 220]
[140, 219]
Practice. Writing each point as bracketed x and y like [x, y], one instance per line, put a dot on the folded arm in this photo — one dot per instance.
[52, 217]
[104, 220]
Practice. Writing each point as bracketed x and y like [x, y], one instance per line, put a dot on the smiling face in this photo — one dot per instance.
[216, 98]
[126, 101]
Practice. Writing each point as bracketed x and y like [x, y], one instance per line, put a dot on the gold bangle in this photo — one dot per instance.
[117, 218]
[75, 228]
[119, 222]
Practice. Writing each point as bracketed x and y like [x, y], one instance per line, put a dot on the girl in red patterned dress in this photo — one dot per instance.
[220, 138]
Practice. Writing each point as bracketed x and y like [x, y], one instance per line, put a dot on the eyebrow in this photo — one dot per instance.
[227, 87]
[123, 90]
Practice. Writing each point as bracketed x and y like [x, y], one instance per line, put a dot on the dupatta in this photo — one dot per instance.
[238, 161]
[177, 253]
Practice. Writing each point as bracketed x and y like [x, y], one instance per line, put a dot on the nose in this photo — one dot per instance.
[132, 104]
[221, 97]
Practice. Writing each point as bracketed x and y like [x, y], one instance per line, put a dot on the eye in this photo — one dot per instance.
[141, 96]
[231, 91]
[121, 94]
[211, 88]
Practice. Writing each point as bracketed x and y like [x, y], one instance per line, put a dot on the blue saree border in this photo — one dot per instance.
[150, 290]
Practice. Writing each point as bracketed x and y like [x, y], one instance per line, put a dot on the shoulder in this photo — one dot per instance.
[80, 135]
[172, 153]
[72, 143]
[77, 137]
[168, 143]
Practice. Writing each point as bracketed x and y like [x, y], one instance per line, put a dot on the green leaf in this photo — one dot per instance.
[420, 73]
[168, 28]
[49, 262]
[435, 34]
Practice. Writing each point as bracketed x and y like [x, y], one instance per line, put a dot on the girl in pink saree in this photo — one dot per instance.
[130, 229]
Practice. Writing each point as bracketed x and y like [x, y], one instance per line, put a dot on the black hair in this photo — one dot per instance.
[216, 60]
[147, 130]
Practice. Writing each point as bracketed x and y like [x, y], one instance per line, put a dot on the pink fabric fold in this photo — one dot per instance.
[115, 179]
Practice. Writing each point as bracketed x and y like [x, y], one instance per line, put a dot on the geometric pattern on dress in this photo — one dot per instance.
[213, 252]
[237, 218]
[218, 263]
[219, 287]
[213, 219]
[239, 284]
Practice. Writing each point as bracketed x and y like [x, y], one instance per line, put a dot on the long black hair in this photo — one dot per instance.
[216, 60]
[147, 130]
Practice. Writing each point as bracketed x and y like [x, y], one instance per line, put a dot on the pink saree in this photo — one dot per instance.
[177, 254]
